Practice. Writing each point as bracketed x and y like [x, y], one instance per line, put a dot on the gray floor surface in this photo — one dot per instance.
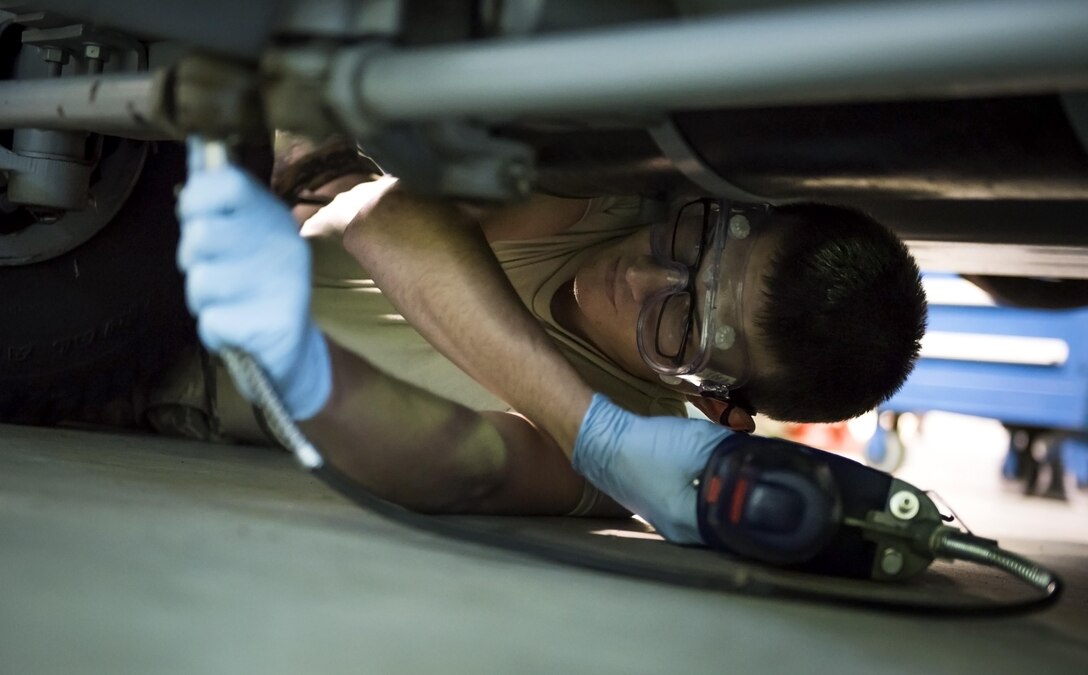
[128, 554]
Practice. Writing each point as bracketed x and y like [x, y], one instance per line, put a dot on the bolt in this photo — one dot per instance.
[891, 561]
[95, 56]
[904, 505]
[54, 55]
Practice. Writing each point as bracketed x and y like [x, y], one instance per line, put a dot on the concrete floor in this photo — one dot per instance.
[127, 554]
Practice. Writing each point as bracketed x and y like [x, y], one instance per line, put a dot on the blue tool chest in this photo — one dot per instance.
[1025, 367]
[1022, 366]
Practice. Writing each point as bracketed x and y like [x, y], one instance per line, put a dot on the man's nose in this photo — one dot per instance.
[648, 276]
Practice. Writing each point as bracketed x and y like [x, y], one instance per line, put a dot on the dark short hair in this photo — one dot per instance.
[842, 317]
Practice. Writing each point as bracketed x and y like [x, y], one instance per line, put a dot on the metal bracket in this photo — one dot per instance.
[13, 161]
[900, 531]
[454, 159]
[90, 45]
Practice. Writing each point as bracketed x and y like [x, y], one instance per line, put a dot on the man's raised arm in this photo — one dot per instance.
[248, 283]
[434, 264]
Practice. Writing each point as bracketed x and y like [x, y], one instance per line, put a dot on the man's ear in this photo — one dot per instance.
[724, 413]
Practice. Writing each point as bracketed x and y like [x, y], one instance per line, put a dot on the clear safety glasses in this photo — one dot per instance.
[693, 330]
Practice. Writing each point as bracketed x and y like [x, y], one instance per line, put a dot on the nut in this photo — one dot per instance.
[54, 55]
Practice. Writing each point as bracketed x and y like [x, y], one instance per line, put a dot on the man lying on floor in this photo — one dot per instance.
[528, 358]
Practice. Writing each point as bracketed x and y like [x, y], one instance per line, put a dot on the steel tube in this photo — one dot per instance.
[120, 104]
[871, 51]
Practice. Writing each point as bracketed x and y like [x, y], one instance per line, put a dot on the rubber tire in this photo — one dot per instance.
[101, 320]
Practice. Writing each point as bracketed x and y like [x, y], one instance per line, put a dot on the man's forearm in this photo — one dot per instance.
[438, 270]
[424, 452]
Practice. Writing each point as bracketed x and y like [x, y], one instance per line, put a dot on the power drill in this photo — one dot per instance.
[790, 505]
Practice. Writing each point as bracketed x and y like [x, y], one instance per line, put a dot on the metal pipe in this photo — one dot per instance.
[798, 55]
[121, 104]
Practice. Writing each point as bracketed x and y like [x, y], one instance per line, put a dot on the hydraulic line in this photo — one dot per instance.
[249, 375]
[951, 543]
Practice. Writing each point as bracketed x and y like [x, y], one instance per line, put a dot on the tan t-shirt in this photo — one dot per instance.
[351, 309]
[538, 267]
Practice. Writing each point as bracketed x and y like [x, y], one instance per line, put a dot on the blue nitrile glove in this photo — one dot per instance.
[647, 464]
[248, 283]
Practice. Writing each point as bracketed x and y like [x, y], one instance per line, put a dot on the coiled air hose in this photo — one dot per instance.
[945, 541]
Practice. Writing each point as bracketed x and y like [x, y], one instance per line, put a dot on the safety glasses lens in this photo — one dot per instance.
[689, 233]
[673, 325]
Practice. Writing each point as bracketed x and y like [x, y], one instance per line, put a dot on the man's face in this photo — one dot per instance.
[613, 285]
